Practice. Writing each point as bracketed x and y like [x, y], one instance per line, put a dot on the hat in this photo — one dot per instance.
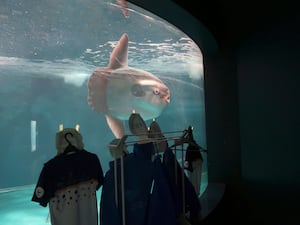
[117, 147]
[138, 127]
[160, 142]
[68, 136]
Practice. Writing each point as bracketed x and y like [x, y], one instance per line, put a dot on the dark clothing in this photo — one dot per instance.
[147, 197]
[152, 194]
[193, 153]
[66, 170]
[178, 182]
[161, 206]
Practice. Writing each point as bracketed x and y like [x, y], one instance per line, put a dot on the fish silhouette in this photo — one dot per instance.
[124, 7]
[118, 90]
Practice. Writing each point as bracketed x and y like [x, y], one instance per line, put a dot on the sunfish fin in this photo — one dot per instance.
[116, 126]
[119, 56]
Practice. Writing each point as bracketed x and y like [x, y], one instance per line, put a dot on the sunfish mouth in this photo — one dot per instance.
[166, 96]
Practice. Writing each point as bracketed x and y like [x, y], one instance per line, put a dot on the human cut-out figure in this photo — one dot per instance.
[68, 182]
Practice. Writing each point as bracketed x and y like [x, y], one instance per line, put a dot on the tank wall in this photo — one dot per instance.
[47, 54]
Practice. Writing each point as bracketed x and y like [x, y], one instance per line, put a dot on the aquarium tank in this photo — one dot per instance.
[48, 52]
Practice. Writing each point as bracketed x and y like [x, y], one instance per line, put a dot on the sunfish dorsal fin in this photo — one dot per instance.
[116, 126]
[119, 56]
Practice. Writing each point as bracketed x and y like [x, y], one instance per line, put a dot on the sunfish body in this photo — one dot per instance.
[117, 90]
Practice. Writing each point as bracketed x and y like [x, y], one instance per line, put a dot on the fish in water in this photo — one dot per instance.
[118, 90]
[124, 7]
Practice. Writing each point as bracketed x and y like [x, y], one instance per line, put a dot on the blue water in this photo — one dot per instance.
[47, 52]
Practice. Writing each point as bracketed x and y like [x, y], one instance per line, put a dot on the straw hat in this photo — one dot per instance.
[156, 134]
[72, 135]
[138, 127]
[117, 147]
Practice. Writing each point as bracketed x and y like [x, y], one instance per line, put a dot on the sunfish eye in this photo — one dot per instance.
[137, 90]
[156, 91]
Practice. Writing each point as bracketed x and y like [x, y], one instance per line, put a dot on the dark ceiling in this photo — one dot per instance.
[230, 21]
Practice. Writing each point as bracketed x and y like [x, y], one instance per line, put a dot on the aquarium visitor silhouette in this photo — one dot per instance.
[68, 182]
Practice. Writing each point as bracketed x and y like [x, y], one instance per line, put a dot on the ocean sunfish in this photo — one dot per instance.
[117, 90]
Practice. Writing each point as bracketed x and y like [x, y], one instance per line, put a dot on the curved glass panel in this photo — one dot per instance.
[48, 51]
